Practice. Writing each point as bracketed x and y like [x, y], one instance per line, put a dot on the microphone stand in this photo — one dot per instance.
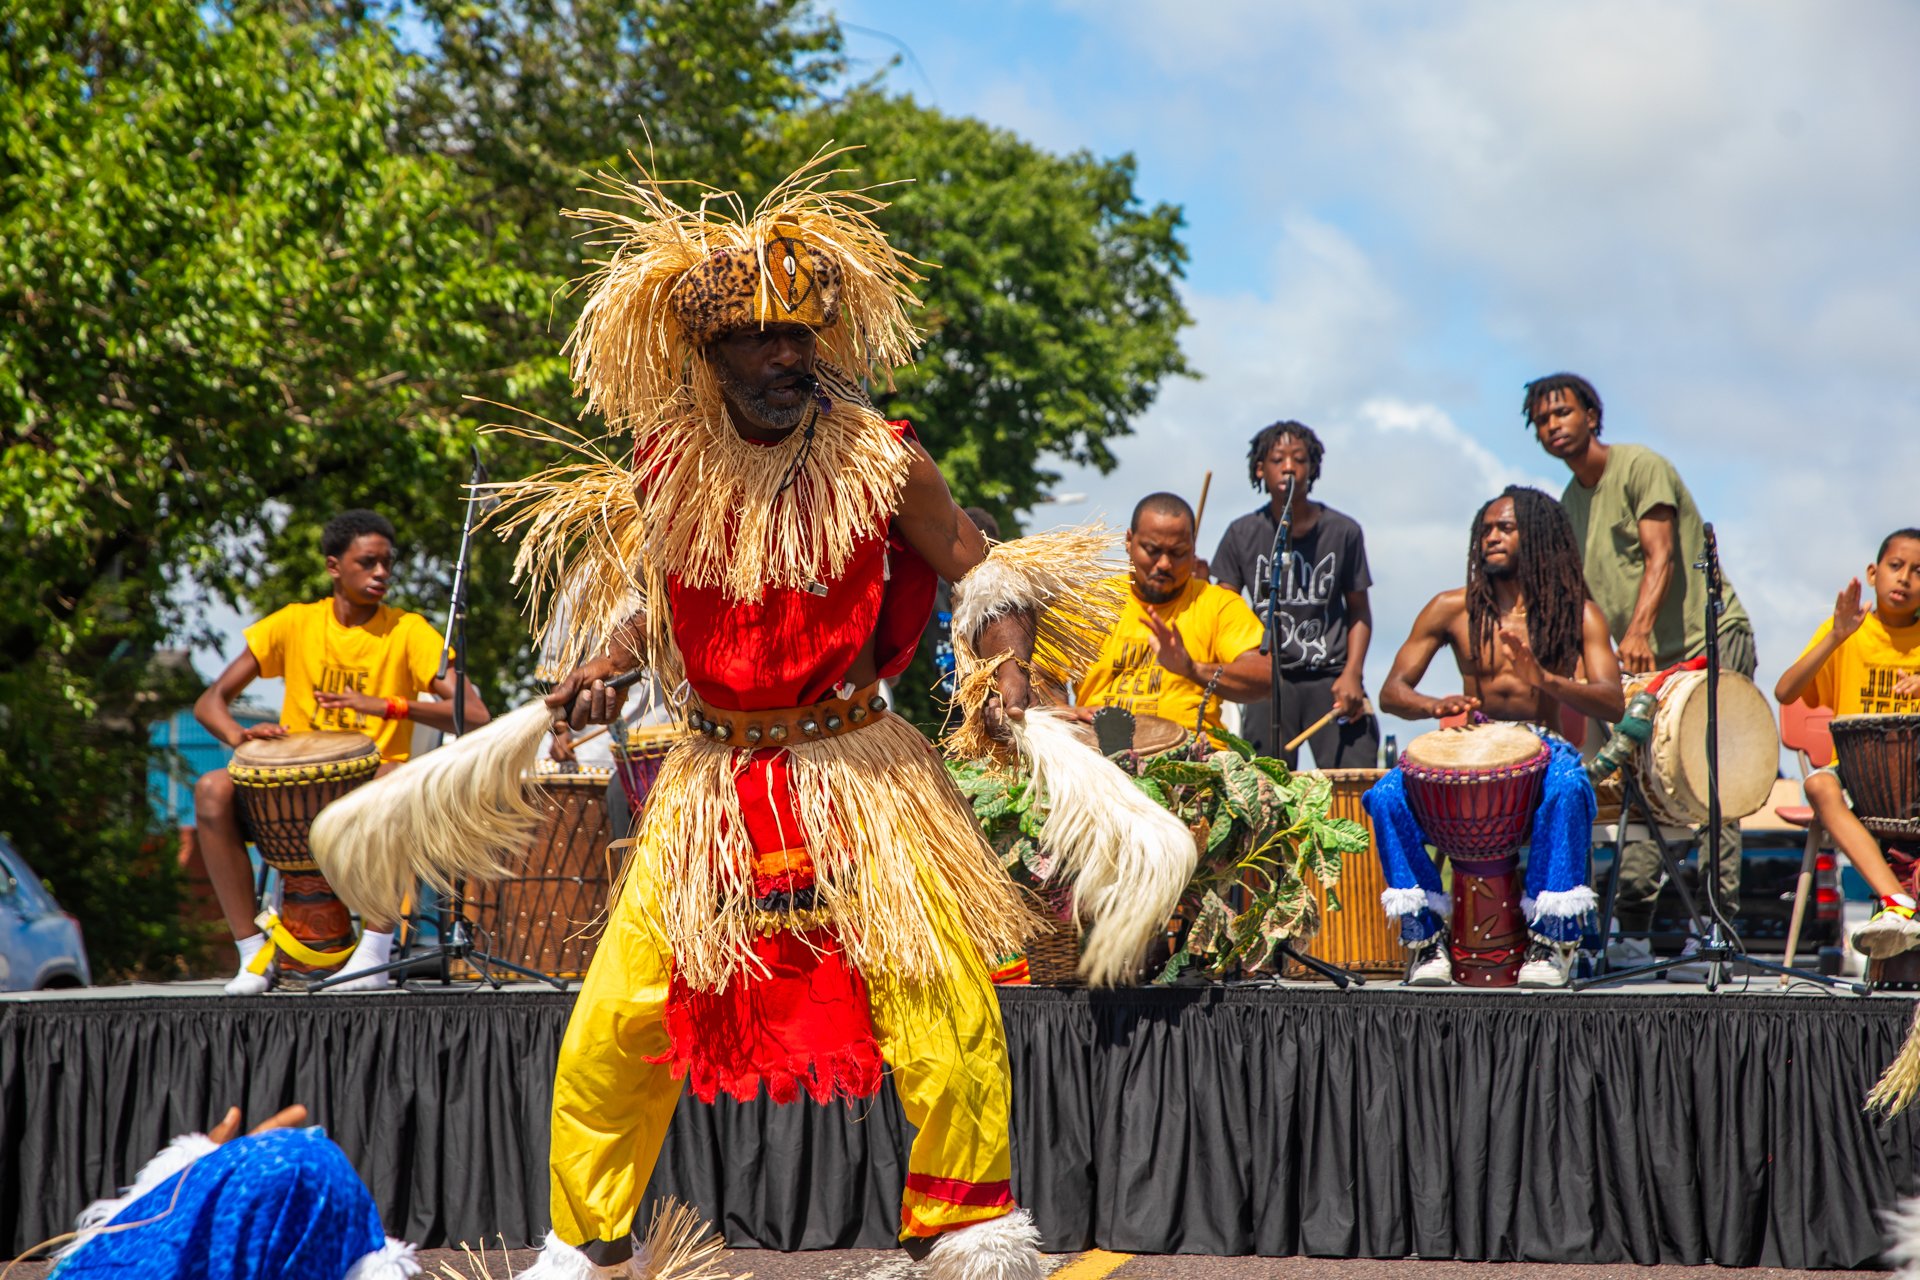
[1720, 946]
[1277, 559]
[453, 939]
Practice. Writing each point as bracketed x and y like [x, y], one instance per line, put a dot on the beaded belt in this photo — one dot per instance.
[826, 719]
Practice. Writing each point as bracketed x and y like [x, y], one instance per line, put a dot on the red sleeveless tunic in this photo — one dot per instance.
[805, 1025]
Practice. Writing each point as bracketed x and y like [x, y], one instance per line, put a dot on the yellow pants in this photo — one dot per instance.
[942, 1042]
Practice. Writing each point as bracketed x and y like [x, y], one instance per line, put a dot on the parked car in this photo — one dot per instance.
[40, 945]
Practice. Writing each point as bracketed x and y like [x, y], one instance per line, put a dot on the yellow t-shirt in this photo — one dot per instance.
[1217, 626]
[1857, 678]
[393, 656]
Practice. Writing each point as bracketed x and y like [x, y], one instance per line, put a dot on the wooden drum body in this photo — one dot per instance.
[1672, 767]
[279, 784]
[1474, 791]
[1359, 936]
[1879, 758]
[548, 918]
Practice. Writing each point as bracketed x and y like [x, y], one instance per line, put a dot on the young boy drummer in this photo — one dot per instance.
[1866, 662]
[350, 662]
[1528, 641]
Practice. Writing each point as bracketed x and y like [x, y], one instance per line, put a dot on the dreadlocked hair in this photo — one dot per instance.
[1262, 444]
[1549, 575]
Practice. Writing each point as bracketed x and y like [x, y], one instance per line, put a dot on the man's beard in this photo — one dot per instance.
[1506, 570]
[1154, 595]
[753, 401]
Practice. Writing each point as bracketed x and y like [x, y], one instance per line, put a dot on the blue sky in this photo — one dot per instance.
[1399, 212]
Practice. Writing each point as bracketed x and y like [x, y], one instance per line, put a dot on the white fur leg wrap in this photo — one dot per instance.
[1129, 859]
[1004, 1248]
[1407, 902]
[393, 1260]
[559, 1260]
[455, 812]
[1562, 904]
[994, 589]
[170, 1159]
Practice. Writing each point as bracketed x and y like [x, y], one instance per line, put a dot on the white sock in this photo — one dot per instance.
[1905, 900]
[246, 983]
[371, 952]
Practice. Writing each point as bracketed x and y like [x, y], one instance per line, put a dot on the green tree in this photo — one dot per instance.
[225, 298]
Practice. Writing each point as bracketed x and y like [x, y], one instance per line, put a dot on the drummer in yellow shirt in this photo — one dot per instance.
[1866, 662]
[1182, 646]
[350, 662]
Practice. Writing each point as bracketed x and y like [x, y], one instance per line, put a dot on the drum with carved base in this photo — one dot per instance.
[279, 784]
[1474, 790]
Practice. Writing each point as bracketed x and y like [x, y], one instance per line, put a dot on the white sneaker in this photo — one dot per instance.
[1431, 965]
[1891, 931]
[1629, 953]
[1547, 967]
[1693, 973]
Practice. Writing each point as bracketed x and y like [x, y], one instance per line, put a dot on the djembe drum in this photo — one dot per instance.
[1879, 759]
[1474, 790]
[638, 754]
[546, 918]
[1672, 768]
[279, 784]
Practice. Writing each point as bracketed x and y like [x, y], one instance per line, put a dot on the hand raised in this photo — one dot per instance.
[1849, 611]
[1169, 648]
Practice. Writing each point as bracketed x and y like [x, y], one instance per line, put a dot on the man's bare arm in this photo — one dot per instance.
[1598, 694]
[1398, 694]
[1659, 542]
[940, 532]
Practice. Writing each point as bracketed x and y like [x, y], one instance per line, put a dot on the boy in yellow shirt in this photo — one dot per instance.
[350, 662]
[1867, 662]
[1182, 645]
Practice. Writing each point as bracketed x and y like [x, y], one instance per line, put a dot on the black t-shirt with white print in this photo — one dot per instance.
[1328, 561]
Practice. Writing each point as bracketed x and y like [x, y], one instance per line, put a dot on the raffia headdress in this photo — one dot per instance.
[690, 498]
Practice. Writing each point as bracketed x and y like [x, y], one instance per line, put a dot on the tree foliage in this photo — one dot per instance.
[225, 296]
[255, 259]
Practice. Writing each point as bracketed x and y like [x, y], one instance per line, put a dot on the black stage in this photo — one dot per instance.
[1646, 1127]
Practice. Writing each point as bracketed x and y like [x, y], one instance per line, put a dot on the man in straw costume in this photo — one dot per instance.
[808, 900]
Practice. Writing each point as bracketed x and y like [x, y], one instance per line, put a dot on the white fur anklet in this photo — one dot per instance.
[1004, 1248]
[559, 1260]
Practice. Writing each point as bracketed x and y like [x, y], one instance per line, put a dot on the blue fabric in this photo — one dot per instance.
[284, 1205]
[1558, 843]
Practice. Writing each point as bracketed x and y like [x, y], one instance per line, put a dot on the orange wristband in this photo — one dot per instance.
[397, 709]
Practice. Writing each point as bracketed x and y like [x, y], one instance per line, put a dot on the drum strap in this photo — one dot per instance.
[278, 939]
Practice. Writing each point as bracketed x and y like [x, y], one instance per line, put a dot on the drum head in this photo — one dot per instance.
[328, 746]
[1749, 745]
[1474, 746]
[1154, 734]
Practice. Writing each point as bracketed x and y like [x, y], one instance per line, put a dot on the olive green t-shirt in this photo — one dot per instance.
[1606, 523]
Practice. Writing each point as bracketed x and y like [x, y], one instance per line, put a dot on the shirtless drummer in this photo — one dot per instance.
[1529, 641]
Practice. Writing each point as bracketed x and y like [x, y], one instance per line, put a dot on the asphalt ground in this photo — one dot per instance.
[860, 1264]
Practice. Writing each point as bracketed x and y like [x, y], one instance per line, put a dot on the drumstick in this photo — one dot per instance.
[1201, 510]
[591, 734]
[1366, 709]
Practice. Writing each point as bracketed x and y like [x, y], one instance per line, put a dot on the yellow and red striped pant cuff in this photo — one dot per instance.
[932, 1205]
[1012, 972]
